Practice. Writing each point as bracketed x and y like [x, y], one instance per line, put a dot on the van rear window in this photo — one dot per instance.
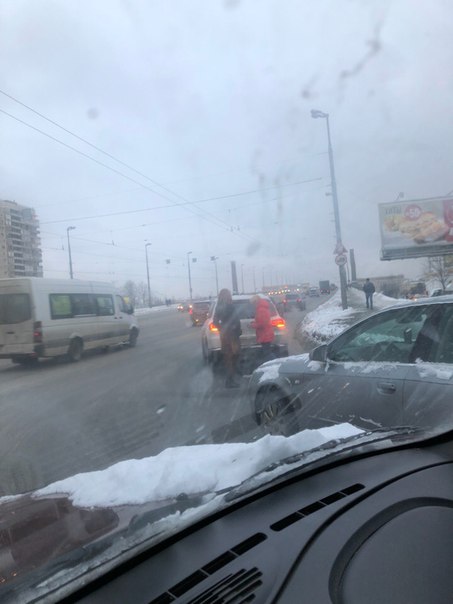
[14, 308]
[246, 310]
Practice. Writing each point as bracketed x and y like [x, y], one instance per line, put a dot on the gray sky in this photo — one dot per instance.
[212, 98]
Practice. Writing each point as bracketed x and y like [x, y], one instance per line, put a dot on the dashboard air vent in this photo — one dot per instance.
[212, 567]
[315, 507]
[239, 588]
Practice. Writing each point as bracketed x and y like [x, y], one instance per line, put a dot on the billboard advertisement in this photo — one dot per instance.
[416, 228]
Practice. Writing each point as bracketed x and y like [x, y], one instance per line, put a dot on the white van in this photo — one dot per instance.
[52, 317]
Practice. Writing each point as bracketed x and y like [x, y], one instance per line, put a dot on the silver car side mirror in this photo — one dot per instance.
[319, 353]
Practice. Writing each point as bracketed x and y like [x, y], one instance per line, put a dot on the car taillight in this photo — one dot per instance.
[190, 310]
[212, 327]
[37, 332]
[279, 323]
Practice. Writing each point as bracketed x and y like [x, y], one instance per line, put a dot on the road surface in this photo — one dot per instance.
[61, 418]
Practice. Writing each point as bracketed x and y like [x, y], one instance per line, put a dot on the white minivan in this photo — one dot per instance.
[52, 317]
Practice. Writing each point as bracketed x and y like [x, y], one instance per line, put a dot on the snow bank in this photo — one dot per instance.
[329, 319]
[188, 469]
[153, 309]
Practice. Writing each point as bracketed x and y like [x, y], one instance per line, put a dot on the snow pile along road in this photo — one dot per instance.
[153, 309]
[329, 319]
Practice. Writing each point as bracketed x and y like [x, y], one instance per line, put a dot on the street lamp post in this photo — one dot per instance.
[242, 277]
[254, 281]
[214, 259]
[190, 276]
[147, 273]
[320, 114]
[71, 275]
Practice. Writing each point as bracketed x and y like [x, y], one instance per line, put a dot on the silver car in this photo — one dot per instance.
[394, 368]
[210, 336]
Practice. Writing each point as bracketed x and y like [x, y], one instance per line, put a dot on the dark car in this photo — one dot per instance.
[294, 301]
[442, 292]
[394, 368]
[199, 311]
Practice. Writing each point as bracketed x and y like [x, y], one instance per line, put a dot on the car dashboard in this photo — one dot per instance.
[375, 529]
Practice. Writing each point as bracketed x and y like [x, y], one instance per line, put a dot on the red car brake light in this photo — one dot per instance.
[212, 327]
[37, 332]
[279, 323]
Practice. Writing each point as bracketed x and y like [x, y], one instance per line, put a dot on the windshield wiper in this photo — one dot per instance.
[331, 447]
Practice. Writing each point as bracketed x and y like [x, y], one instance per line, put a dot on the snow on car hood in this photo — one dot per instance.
[188, 469]
[271, 369]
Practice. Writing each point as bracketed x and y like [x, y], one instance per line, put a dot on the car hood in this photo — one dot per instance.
[284, 366]
[40, 536]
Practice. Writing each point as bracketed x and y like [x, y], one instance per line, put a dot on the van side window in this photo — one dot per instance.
[60, 306]
[82, 304]
[104, 304]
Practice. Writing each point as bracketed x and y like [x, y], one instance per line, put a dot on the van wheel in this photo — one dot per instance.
[133, 338]
[75, 350]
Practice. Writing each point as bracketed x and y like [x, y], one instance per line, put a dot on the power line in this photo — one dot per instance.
[123, 212]
[172, 204]
[129, 167]
[109, 155]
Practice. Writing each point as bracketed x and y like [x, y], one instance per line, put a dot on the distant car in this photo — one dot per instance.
[183, 307]
[442, 292]
[294, 301]
[393, 368]
[324, 287]
[313, 292]
[199, 311]
[210, 336]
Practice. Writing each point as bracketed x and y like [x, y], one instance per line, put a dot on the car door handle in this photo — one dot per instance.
[386, 387]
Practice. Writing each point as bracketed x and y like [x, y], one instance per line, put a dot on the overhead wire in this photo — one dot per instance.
[128, 166]
[98, 149]
[172, 204]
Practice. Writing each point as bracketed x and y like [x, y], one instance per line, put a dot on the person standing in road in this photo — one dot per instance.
[262, 323]
[229, 325]
[369, 290]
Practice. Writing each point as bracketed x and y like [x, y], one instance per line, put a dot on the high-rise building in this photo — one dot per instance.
[20, 244]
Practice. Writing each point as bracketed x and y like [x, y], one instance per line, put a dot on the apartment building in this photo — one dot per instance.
[20, 244]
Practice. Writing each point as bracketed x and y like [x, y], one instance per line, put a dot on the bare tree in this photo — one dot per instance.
[142, 294]
[440, 268]
[130, 290]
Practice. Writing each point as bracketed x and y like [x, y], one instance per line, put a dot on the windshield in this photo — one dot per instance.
[226, 241]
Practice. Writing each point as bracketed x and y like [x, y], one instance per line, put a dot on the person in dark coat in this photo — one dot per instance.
[265, 334]
[369, 290]
[229, 325]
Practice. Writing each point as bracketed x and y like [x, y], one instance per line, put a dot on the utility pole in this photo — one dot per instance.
[147, 274]
[70, 228]
[214, 259]
[190, 276]
[320, 114]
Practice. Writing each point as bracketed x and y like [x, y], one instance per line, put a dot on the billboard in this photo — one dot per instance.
[416, 228]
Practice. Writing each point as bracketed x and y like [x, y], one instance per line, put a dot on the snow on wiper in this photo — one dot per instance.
[331, 447]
